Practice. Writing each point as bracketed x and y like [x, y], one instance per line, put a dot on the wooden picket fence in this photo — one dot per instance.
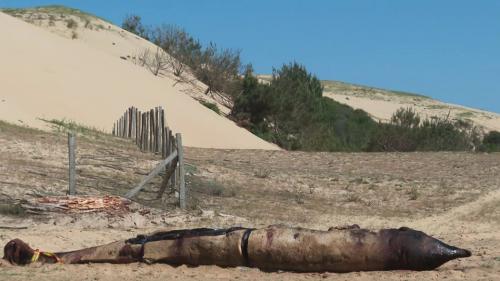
[151, 133]
[148, 129]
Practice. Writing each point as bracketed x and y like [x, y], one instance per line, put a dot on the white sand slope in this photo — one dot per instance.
[113, 40]
[381, 104]
[44, 75]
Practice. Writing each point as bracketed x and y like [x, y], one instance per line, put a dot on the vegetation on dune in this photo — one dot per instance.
[217, 67]
[491, 142]
[210, 105]
[407, 132]
[64, 125]
[133, 23]
[341, 87]
[292, 112]
[71, 24]
[50, 9]
[71, 18]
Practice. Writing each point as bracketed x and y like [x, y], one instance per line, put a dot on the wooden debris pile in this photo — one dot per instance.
[78, 204]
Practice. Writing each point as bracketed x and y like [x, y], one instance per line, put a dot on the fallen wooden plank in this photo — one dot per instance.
[151, 175]
[170, 171]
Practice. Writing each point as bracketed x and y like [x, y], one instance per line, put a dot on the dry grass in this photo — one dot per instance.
[348, 183]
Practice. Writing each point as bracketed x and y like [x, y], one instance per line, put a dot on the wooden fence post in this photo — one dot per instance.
[156, 129]
[72, 163]
[171, 149]
[182, 183]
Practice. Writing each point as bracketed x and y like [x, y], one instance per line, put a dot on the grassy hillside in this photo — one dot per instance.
[50, 9]
[348, 88]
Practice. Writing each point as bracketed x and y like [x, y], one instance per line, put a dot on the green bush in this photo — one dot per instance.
[133, 24]
[71, 24]
[178, 43]
[406, 132]
[491, 142]
[442, 134]
[211, 106]
[252, 105]
[217, 67]
[492, 137]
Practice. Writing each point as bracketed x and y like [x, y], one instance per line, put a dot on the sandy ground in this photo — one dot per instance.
[452, 196]
[45, 75]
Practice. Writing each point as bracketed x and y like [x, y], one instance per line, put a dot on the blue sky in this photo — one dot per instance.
[447, 49]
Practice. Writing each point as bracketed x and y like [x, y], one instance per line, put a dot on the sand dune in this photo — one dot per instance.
[381, 104]
[48, 76]
[113, 40]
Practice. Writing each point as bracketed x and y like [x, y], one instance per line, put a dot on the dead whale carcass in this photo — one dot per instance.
[271, 248]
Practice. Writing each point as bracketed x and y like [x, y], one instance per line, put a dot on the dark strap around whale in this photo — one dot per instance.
[182, 233]
[244, 245]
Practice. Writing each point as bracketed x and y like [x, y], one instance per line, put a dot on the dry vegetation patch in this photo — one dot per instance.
[420, 184]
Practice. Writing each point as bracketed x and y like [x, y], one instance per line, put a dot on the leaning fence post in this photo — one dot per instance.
[182, 183]
[72, 163]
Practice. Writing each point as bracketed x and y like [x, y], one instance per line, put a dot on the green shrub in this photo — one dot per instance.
[492, 137]
[491, 142]
[252, 105]
[71, 24]
[406, 132]
[442, 134]
[133, 24]
[217, 67]
[211, 106]
[87, 24]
